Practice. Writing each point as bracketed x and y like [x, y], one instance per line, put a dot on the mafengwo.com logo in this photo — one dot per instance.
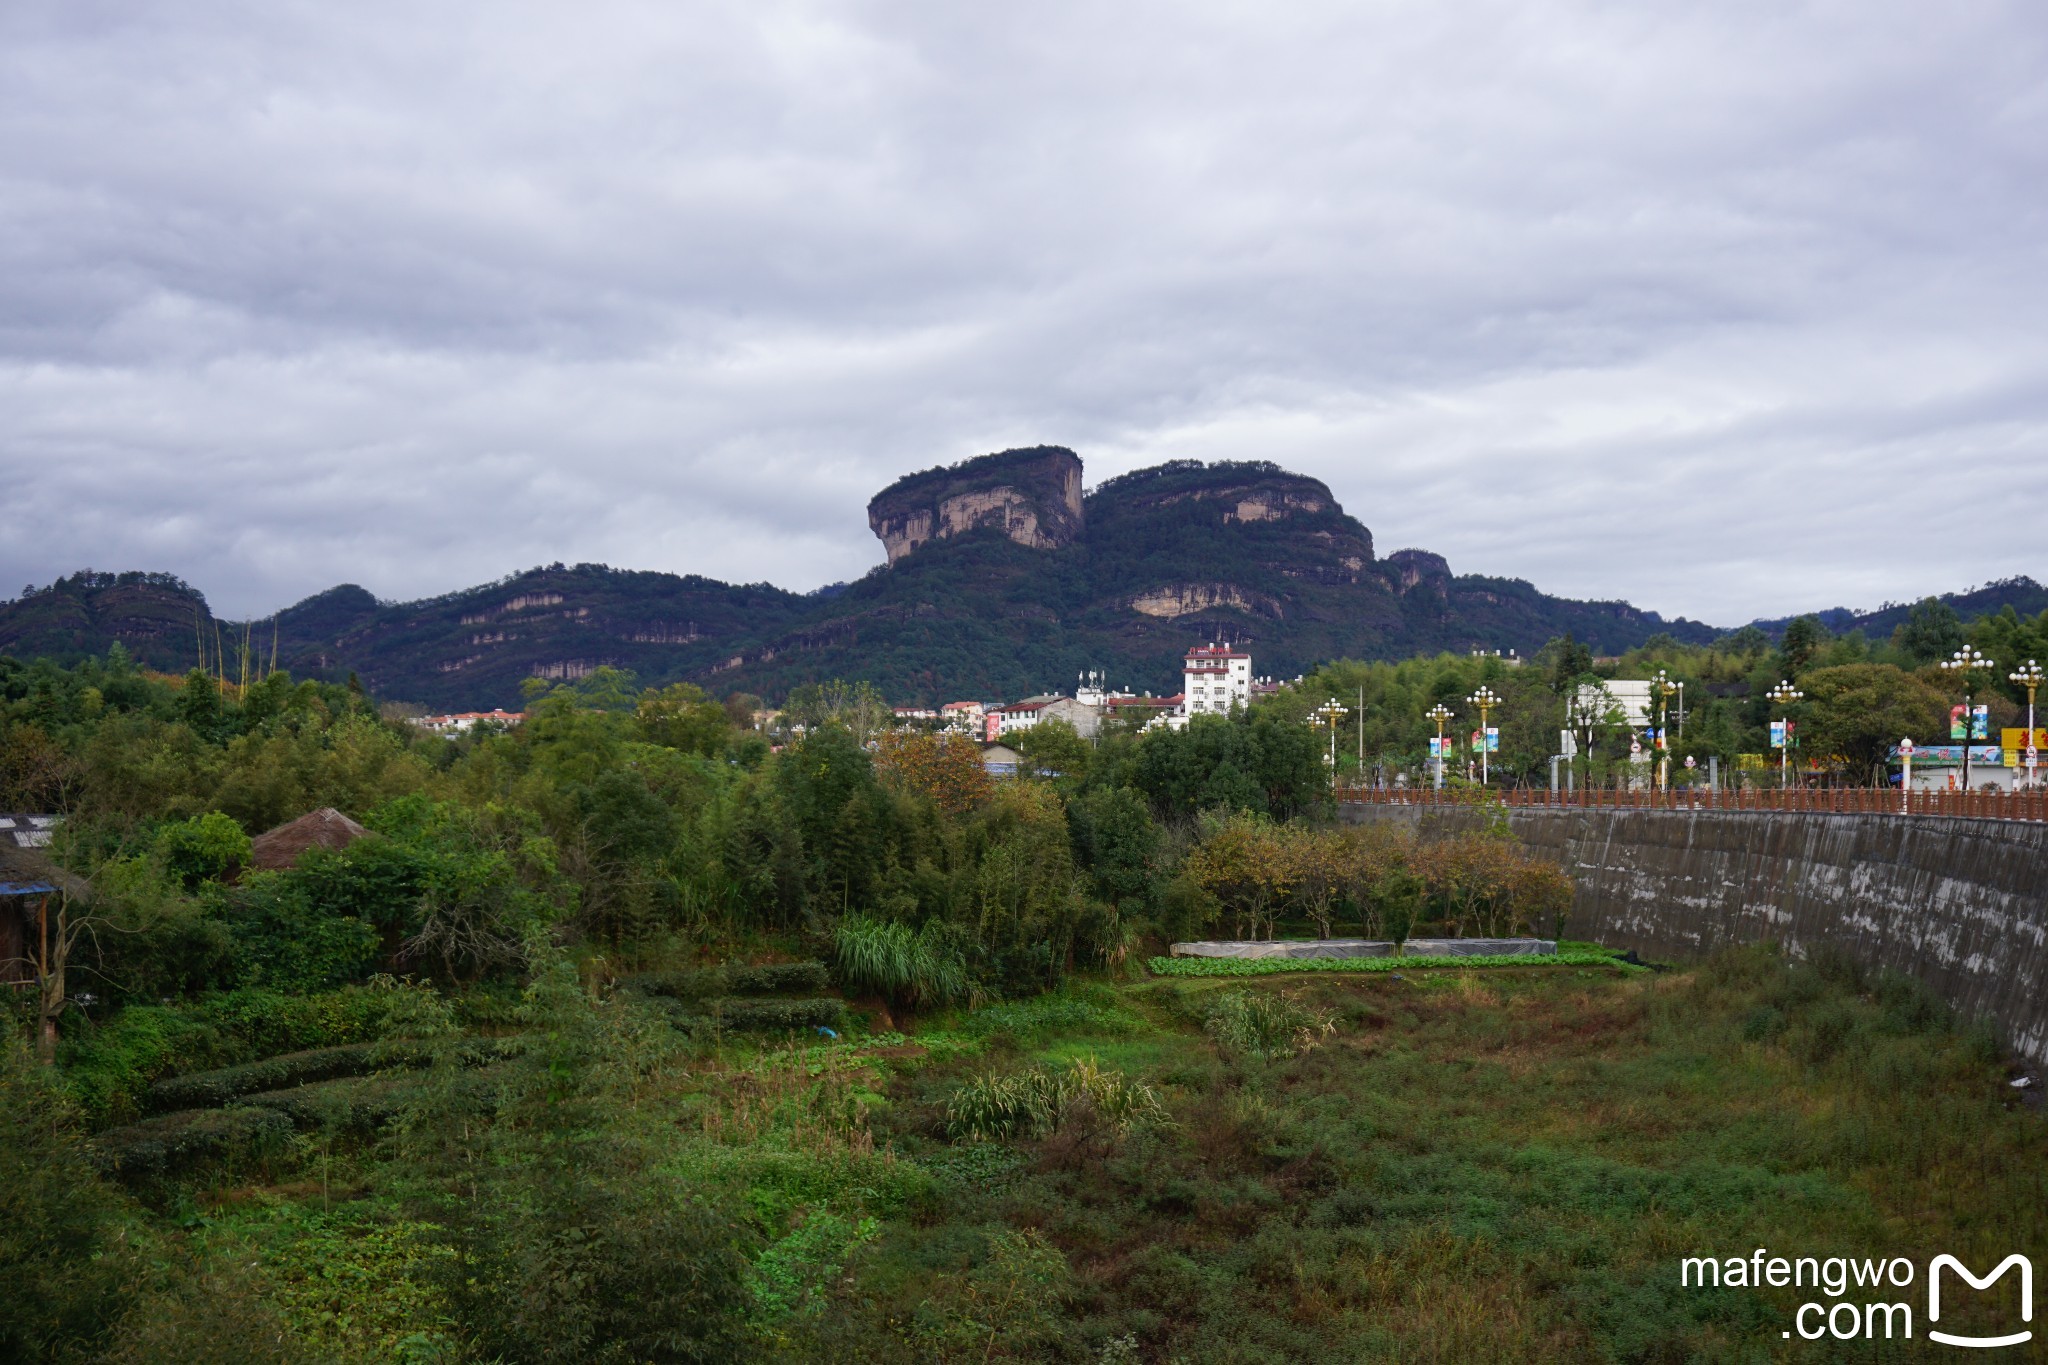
[1865, 1299]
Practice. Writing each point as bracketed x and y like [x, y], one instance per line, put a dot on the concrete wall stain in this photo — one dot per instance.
[1960, 904]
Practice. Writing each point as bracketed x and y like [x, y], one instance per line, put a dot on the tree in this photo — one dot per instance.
[205, 848]
[571, 1242]
[1243, 864]
[1858, 711]
[680, 716]
[64, 1256]
[1748, 640]
[1931, 631]
[855, 705]
[1055, 746]
[1317, 868]
[1803, 639]
[945, 769]
[36, 774]
[61, 920]
[1115, 840]
[1569, 662]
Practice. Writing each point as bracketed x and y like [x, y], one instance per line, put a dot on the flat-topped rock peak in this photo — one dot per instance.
[1033, 496]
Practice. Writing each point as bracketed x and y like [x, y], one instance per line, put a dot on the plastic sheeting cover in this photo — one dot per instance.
[1366, 947]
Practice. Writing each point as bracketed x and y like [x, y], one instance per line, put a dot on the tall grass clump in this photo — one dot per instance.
[1265, 1026]
[920, 969]
[1041, 1101]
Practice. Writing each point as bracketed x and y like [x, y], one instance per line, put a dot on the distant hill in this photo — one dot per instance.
[1005, 578]
[2021, 593]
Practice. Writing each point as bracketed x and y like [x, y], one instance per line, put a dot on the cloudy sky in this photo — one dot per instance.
[1733, 310]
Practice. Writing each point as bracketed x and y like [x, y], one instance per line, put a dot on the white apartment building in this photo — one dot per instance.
[1214, 679]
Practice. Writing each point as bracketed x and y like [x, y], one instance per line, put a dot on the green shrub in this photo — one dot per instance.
[63, 1257]
[211, 1089]
[775, 1016]
[673, 985]
[1264, 1025]
[203, 848]
[772, 978]
[180, 1144]
[919, 969]
[1040, 1102]
[778, 978]
[356, 1105]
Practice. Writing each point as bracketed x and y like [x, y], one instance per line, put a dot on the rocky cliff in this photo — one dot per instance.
[1032, 496]
[159, 619]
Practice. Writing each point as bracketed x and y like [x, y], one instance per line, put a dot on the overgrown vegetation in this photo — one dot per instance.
[623, 1037]
[1041, 1101]
[1265, 1026]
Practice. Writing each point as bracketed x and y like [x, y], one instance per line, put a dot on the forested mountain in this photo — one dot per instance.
[1004, 579]
[2022, 594]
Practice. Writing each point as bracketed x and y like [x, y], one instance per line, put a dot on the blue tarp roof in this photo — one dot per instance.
[25, 888]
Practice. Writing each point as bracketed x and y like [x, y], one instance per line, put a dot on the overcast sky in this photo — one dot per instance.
[1733, 310]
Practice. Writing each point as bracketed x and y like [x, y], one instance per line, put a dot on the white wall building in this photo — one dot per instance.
[1631, 695]
[465, 721]
[1214, 679]
[964, 716]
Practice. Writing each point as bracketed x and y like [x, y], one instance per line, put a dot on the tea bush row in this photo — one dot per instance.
[772, 978]
[212, 1089]
[178, 1144]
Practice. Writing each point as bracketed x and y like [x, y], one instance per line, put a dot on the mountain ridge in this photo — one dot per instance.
[1024, 583]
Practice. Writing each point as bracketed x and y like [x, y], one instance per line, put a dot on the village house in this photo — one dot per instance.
[463, 722]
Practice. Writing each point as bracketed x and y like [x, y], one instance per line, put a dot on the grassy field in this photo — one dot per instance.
[1452, 1165]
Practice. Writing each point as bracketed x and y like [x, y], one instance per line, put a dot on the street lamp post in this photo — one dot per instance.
[1966, 661]
[1664, 688]
[2030, 677]
[1327, 715]
[1785, 694]
[1441, 714]
[1485, 699]
[1906, 775]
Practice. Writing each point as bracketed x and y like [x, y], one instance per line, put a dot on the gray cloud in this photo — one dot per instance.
[1731, 310]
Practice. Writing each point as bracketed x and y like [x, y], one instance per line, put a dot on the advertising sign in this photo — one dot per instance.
[1493, 739]
[1436, 746]
[995, 726]
[1778, 734]
[2014, 742]
[1951, 755]
[1980, 723]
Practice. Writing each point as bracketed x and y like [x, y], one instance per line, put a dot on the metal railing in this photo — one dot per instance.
[1986, 805]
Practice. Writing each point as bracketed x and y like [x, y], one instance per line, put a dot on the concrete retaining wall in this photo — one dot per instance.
[1961, 904]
